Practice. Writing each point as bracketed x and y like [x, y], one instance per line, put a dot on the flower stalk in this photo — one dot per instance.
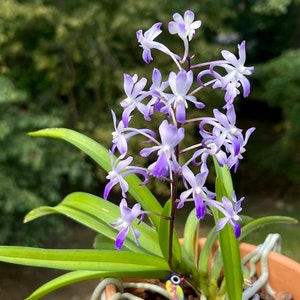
[221, 140]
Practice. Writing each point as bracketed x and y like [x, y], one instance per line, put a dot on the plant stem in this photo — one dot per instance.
[172, 217]
[173, 187]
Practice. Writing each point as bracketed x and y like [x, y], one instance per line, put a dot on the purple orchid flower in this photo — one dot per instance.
[235, 77]
[224, 129]
[147, 42]
[185, 27]
[180, 85]
[170, 137]
[234, 158]
[119, 138]
[116, 175]
[224, 134]
[230, 210]
[159, 97]
[236, 73]
[134, 91]
[209, 149]
[124, 223]
[122, 134]
[120, 169]
[199, 193]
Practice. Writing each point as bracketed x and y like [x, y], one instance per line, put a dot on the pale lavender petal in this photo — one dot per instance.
[246, 86]
[136, 235]
[108, 188]
[221, 223]
[183, 196]
[172, 27]
[242, 52]
[189, 16]
[230, 57]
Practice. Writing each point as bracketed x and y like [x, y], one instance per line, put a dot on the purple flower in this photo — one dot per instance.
[180, 84]
[120, 169]
[157, 92]
[117, 174]
[124, 223]
[119, 137]
[209, 149]
[224, 135]
[224, 129]
[230, 210]
[122, 134]
[170, 136]
[199, 193]
[236, 74]
[184, 26]
[147, 43]
[134, 92]
[234, 159]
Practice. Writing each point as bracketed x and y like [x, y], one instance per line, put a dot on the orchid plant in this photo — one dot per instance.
[145, 243]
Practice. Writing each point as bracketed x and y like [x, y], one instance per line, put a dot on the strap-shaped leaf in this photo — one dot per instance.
[228, 242]
[83, 259]
[97, 214]
[77, 276]
[191, 236]
[101, 155]
[164, 233]
[261, 222]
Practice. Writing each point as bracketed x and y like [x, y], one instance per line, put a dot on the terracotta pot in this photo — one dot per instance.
[284, 272]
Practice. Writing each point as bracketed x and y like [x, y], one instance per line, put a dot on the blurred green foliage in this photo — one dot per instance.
[62, 65]
[278, 82]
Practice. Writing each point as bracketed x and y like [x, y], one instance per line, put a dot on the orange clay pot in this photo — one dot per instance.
[284, 273]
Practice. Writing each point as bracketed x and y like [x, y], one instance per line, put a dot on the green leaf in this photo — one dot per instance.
[261, 222]
[228, 243]
[101, 155]
[204, 260]
[77, 276]
[102, 242]
[191, 237]
[164, 233]
[64, 280]
[97, 214]
[83, 259]
[232, 262]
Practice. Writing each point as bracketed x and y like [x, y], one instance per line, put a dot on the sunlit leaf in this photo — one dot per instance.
[82, 259]
[228, 242]
[101, 155]
[97, 214]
